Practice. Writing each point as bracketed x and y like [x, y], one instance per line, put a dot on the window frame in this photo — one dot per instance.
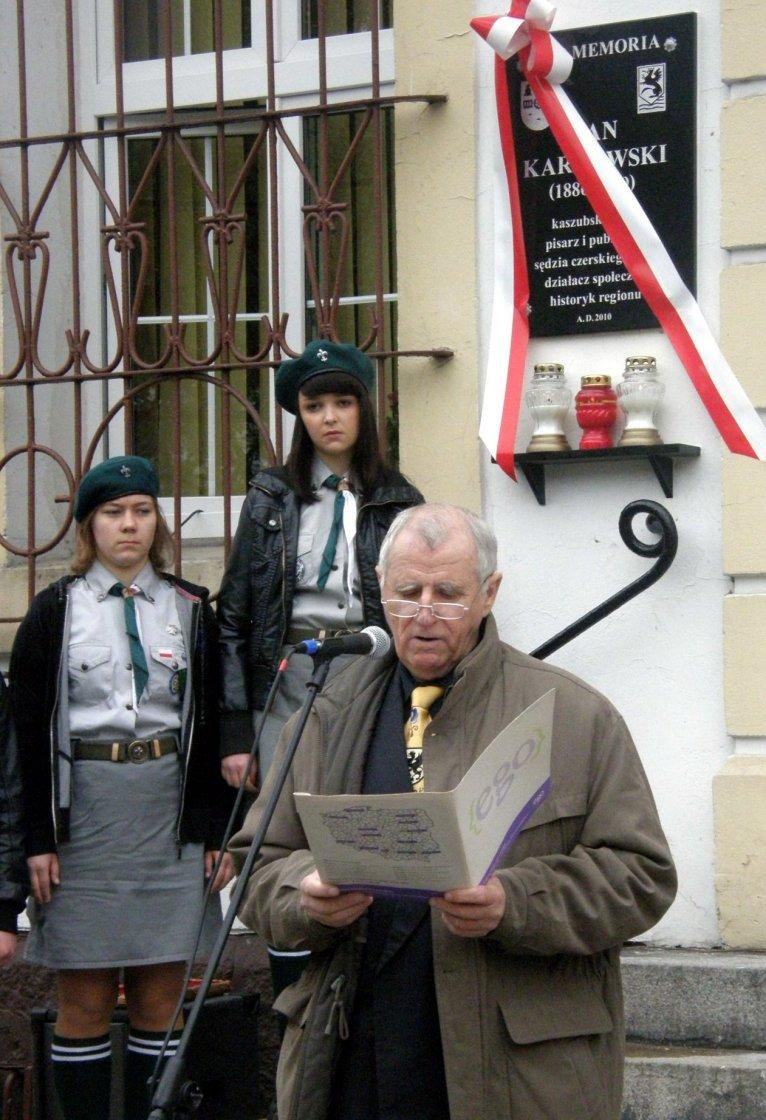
[296, 69]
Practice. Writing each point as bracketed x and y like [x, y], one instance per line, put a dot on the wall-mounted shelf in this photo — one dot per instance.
[660, 457]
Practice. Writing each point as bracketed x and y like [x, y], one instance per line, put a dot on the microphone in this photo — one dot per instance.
[372, 641]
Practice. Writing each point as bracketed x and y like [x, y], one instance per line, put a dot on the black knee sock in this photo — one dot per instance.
[143, 1050]
[82, 1074]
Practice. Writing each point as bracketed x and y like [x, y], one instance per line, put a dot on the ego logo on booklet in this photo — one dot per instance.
[494, 794]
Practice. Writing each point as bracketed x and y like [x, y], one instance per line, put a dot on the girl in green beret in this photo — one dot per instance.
[303, 559]
[114, 690]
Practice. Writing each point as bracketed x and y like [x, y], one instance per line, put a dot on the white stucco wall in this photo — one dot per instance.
[660, 658]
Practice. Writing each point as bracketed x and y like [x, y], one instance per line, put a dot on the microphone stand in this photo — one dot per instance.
[174, 1100]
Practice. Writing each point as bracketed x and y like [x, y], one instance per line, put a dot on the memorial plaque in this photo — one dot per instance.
[634, 84]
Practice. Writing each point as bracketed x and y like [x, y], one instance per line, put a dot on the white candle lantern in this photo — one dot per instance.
[548, 400]
[639, 394]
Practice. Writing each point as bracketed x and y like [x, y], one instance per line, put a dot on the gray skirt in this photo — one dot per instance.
[128, 894]
[290, 696]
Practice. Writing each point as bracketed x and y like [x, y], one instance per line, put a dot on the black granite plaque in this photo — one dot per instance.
[634, 84]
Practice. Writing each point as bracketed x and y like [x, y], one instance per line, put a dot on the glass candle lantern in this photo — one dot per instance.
[639, 394]
[596, 411]
[548, 400]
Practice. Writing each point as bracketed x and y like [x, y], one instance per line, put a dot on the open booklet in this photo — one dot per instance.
[429, 843]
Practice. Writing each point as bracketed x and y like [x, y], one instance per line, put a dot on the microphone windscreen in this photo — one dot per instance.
[381, 641]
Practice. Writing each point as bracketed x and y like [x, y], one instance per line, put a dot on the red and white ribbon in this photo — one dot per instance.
[546, 64]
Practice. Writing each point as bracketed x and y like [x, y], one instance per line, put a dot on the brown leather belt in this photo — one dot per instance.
[301, 634]
[135, 750]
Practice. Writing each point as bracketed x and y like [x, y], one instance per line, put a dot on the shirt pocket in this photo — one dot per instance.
[306, 567]
[90, 672]
[167, 671]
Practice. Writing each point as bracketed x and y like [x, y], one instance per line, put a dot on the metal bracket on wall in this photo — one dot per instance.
[661, 524]
[660, 457]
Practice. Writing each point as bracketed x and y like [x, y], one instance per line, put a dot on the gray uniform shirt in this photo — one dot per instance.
[338, 606]
[102, 701]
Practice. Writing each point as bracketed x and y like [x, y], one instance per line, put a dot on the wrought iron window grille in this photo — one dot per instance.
[71, 212]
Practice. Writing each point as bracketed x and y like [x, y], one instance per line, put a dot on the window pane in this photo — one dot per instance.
[152, 209]
[247, 452]
[200, 407]
[358, 270]
[235, 25]
[343, 17]
[143, 27]
[253, 202]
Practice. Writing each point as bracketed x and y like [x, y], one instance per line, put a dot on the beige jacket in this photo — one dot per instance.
[531, 1016]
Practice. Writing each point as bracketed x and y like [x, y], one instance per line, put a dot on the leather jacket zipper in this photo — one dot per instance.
[188, 729]
[54, 723]
[284, 575]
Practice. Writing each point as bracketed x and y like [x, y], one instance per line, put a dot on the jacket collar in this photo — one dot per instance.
[484, 653]
[481, 662]
[274, 481]
[359, 688]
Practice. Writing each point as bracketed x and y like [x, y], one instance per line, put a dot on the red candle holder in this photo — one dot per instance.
[596, 411]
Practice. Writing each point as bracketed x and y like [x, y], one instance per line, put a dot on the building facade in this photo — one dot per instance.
[683, 660]
[301, 168]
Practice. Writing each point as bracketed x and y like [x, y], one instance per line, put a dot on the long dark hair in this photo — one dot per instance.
[368, 466]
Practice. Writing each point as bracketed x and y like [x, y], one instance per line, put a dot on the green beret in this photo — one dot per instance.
[115, 478]
[321, 356]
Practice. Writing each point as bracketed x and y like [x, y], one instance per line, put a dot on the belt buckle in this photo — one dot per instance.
[137, 751]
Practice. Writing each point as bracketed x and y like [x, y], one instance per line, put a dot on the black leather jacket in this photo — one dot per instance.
[256, 596]
[13, 867]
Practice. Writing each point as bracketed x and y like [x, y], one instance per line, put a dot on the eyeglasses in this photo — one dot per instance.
[408, 608]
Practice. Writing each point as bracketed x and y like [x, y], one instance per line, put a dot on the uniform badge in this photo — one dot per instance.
[300, 570]
[322, 355]
[126, 471]
[175, 684]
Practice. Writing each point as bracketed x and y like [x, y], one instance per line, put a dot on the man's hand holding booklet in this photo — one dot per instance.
[431, 842]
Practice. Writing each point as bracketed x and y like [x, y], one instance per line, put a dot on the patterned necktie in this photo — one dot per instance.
[422, 698]
[338, 484]
[137, 655]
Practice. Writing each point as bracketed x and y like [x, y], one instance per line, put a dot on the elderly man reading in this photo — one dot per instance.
[497, 1002]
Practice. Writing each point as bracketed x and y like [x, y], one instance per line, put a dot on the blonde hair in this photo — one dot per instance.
[160, 554]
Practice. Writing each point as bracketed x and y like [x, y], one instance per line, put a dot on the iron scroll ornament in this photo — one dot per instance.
[659, 522]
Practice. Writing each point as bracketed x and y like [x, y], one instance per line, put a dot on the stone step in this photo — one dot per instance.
[684, 1083]
[706, 998]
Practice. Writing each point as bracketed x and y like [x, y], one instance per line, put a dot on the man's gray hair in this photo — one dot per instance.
[434, 523]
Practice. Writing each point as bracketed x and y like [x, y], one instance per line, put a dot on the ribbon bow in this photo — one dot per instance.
[528, 34]
[525, 32]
